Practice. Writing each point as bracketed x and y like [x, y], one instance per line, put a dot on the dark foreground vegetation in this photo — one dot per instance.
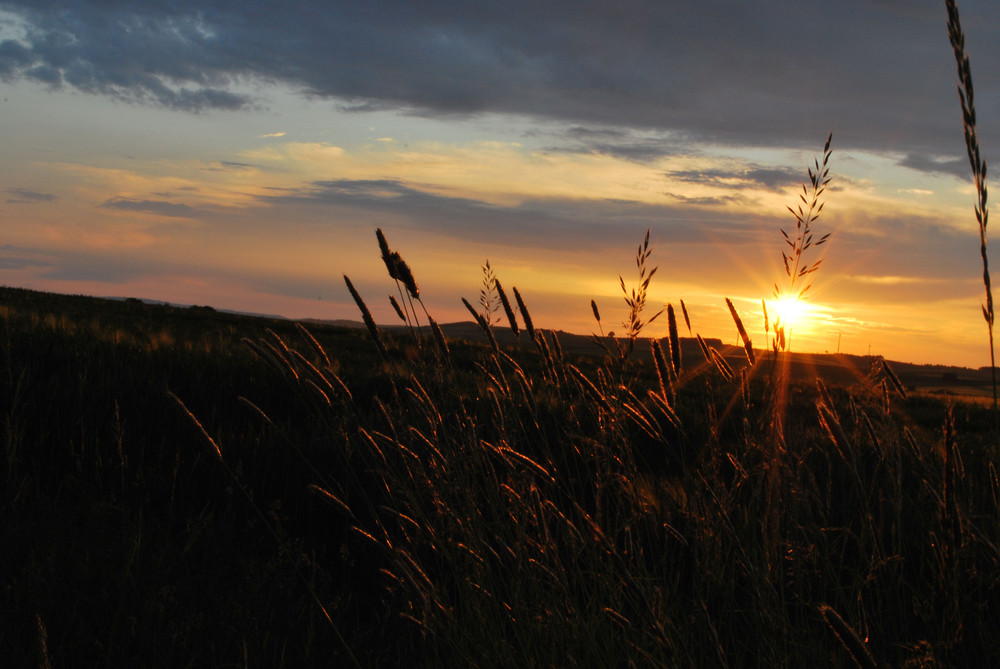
[475, 506]
[184, 488]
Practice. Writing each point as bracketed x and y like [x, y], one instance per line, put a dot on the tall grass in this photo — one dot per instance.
[461, 504]
[544, 510]
[966, 99]
[798, 266]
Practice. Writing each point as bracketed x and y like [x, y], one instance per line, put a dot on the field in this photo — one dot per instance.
[184, 487]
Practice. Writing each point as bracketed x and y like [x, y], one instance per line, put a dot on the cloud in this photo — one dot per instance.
[20, 258]
[892, 280]
[955, 167]
[729, 72]
[25, 196]
[589, 224]
[458, 217]
[138, 55]
[14, 57]
[902, 252]
[160, 208]
[705, 201]
[619, 143]
[773, 179]
[230, 165]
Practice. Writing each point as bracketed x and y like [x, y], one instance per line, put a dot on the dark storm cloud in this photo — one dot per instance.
[141, 53]
[757, 74]
[13, 57]
[25, 196]
[160, 208]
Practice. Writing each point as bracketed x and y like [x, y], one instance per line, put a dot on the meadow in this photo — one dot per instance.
[185, 487]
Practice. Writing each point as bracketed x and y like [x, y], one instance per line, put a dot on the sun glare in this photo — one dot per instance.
[790, 312]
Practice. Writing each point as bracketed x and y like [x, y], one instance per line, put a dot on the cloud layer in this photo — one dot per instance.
[724, 71]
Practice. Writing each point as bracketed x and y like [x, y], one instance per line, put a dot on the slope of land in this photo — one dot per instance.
[181, 486]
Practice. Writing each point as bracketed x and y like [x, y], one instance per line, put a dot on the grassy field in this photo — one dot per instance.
[518, 505]
[189, 488]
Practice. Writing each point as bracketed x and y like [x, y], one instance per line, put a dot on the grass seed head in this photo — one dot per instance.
[524, 314]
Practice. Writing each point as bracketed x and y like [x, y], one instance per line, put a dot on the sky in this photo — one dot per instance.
[242, 154]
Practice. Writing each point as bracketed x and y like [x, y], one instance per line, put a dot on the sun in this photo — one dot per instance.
[790, 312]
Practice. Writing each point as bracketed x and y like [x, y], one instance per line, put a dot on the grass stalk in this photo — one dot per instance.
[966, 98]
[367, 317]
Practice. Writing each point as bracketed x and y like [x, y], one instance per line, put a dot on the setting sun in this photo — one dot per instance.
[790, 312]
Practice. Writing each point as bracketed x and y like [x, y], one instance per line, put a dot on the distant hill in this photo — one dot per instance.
[833, 368]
